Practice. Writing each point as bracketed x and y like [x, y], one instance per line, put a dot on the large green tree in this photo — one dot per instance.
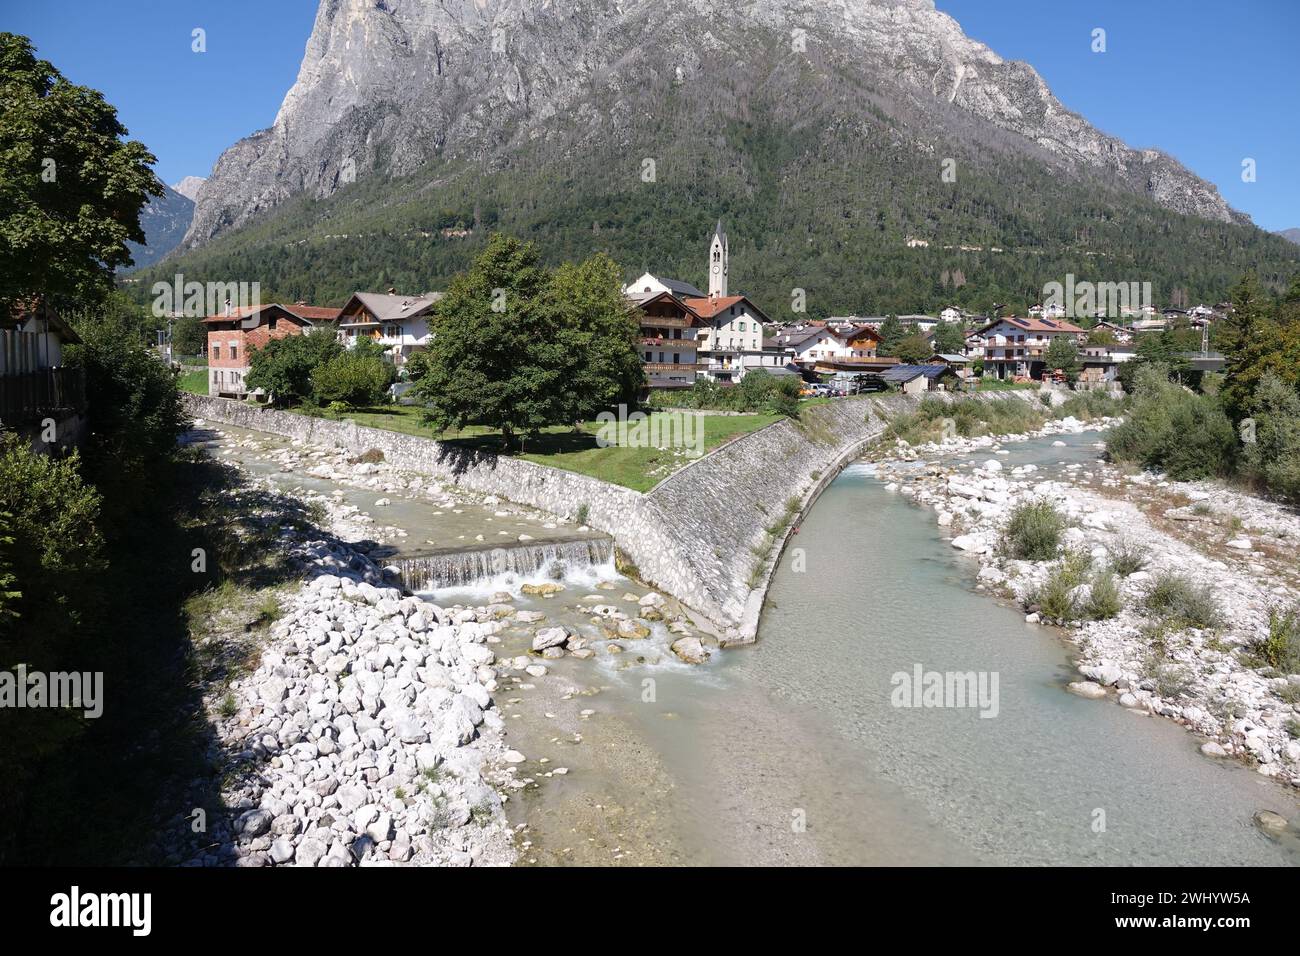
[518, 348]
[71, 186]
[283, 367]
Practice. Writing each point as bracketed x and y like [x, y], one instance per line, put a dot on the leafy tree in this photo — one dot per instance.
[134, 407]
[892, 332]
[1263, 339]
[417, 364]
[1274, 456]
[596, 337]
[1171, 428]
[949, 338]
[56, 548]
[1063, 355]
[283, 367]
[352, 379]
[1101, 337]
[913, 350]
[189, 337]
[71, 189]
[518, 348]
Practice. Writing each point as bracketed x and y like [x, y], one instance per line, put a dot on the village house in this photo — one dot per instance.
[727, 330]
[1017, 348]
[35, 384]
[232, 337]
[400, 323]
[1122, 333]
[667, 343]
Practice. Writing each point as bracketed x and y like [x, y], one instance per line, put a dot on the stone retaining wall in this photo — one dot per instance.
[700, 535]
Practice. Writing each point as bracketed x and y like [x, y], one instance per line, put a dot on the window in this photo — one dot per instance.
[216, 353]
[234, 352]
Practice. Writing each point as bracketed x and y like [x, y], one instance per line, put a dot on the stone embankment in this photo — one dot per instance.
[1209, 678]
[709, 534]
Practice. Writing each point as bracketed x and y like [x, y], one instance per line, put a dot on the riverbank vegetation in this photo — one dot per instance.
[1033, 532]
[1244, 426]
[967, 417]
[756, 392]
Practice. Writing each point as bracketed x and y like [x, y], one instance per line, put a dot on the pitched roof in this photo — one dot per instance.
[676, 286]
[389, 308]
[249, 316]
[901, 374]
[707, 308]
[1037, 325]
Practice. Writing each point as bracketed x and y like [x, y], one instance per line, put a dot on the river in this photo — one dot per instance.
[790, 751]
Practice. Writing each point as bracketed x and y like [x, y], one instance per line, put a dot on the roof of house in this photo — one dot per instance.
[677, 287]
[951, 357]
[1036, 325]
[22, 310]
[307, 313]
[901, 374]
[388, 307]
[707, 307]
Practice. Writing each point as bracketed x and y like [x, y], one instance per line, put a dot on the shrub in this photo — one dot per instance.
[283, 367]
[1178, 600]
[1127, 557]
[1189, 436]
[1034, 532]
[1104, 600]
[1055, 599]
[352, 379]
[1281, 649]
[1091, 404]
[1273, 459]
[582, 514]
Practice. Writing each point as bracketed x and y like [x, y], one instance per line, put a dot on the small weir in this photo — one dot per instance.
[461, 567]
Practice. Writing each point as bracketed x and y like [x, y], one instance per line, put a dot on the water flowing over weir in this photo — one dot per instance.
[455, 568]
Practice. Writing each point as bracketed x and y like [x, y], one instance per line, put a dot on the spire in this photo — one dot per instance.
[719, 231]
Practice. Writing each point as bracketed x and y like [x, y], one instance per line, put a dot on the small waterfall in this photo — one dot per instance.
[464, 567]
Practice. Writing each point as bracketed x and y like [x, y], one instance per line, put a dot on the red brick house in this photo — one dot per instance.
[232, 337]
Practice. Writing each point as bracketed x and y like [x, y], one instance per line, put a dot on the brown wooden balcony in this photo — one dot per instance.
[658, 368]
[657, 342]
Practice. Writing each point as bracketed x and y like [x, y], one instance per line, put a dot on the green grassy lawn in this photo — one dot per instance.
[194, 382]
[639, 468]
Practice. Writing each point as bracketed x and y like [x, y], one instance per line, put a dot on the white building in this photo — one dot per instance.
[400, 323]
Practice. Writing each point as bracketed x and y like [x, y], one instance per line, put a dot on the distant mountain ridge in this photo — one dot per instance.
[1292, 234]
[826, 136]
[164, 220]
[385, 87]
[189, 187]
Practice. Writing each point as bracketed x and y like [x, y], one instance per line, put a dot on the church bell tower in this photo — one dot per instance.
[718, 263]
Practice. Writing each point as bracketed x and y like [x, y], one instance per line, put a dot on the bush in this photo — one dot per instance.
[1104, 600]
[1055, 599]
[283, 367]
[1034, 532]
[1281, 649]
[352, 380]
[1273, 459]
[1189, 436]
[1094, 403]
[1178, 600]
[1127, 557]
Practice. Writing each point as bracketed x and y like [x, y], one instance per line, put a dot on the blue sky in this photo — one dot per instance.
[1210, 81]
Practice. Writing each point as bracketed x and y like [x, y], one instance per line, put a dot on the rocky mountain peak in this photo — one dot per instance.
[387, 86]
